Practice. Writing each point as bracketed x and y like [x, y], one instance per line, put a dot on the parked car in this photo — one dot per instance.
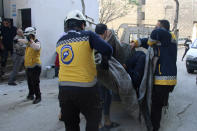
[181, 41]
[191, 58]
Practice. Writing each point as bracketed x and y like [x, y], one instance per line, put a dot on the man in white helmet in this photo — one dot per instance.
[32, 64]
[78, 92]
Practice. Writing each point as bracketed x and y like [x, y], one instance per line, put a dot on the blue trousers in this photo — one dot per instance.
[106, 98]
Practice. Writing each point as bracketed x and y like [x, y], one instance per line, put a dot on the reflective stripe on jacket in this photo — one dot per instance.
[165, 47]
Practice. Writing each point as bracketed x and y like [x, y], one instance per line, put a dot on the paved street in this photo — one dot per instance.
[17, 114]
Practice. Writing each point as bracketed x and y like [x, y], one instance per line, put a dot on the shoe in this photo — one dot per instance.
[30, 97]
[12, 84]
[37, 100]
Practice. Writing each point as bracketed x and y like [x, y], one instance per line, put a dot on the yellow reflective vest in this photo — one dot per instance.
[32, 57]
[76, 59]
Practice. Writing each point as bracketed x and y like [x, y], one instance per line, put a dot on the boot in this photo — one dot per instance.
[12, 84]
[37, 100]
[30, 97]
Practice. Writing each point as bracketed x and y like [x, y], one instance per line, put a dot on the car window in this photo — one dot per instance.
[194, 45]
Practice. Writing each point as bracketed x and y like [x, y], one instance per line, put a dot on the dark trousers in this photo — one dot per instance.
[4, 56]
[135, 68]
[160, 97]
[17, 62]
[33, 80]
[56, 71]
[106, 99]
[76, 100]
[186, 50]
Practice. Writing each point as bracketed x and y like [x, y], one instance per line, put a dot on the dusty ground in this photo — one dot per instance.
[17, 114]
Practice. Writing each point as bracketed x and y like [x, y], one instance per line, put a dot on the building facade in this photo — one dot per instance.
[48, 18]
[164, 9]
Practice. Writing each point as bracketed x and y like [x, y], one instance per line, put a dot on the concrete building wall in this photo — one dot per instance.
[7, 7]
[154, 10]
[130, 18]
[194, 3]
[48, 17]
[194, 34]
[160, 9]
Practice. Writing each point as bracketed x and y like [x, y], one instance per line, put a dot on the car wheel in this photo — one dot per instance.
[190, 70]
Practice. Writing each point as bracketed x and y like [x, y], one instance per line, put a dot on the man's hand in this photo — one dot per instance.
[108, 35]
[124, 65]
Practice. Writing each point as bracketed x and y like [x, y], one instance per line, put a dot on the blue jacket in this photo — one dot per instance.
[76, 57]
[165, 47]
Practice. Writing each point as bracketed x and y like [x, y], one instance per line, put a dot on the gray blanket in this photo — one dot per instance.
[145, 90]
[117, 79]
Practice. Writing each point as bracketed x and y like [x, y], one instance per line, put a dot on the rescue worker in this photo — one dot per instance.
[106, 94]
[32, 64]
[78, 92]
[165, 48]
[186, 44]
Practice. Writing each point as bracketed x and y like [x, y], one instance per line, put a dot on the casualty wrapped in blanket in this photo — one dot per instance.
[118, 80]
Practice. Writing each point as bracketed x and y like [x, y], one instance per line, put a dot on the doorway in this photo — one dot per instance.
[26, 18]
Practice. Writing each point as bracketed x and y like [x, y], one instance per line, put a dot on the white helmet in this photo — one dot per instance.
[30, 31]
[76, 14]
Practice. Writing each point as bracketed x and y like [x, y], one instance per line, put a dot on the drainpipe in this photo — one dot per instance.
[2, 9]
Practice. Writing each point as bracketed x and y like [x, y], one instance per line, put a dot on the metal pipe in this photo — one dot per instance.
[3, 9]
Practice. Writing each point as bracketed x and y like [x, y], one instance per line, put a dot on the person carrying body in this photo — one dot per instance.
[165, 77]
[106, 94]
[78, 92]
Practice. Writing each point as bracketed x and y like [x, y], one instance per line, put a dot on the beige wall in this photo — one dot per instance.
[160, 9]
[154, 10]
[130, 18]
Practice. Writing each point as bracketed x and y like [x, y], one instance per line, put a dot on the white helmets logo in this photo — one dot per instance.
[30, 31]
[76, 14]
